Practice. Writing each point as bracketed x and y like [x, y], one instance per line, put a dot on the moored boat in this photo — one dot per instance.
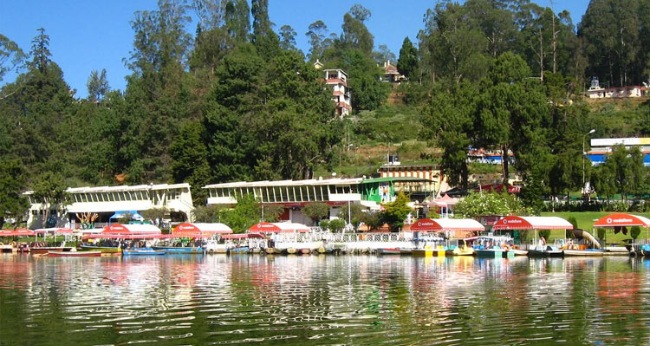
[389, 251]
[545, 251]
[238, 250]
[183, 250]
[39, 248]
[6, 248]
[460, 247]
[583, 252]
[426, 251]
[102, 249]
[489, 252]
[142, 251]
[73, 253]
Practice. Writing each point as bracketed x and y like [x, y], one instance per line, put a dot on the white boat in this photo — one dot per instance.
[583, 252]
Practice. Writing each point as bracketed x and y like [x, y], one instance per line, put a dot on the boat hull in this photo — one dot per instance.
[171, 250]
[46, 249]
[583, 253]
[389, 251]
[74, 253]
[142, 252]
[103, 249]
[489, 253]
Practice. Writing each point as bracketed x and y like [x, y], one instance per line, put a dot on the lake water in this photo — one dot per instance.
[323, 300]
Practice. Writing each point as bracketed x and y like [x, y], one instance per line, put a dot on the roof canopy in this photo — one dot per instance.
[55, 230]
[436, 225]
[242, 236]
[128, 231]
[628, 220]
[531, 222]
[187, 229]
[278, 227]
[19, 232]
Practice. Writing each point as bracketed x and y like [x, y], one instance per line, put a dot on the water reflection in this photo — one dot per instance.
[323, 300]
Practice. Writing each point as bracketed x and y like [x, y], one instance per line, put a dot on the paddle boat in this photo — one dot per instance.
[491, 246]
[584, 244]
[460, 247]
[6, 248]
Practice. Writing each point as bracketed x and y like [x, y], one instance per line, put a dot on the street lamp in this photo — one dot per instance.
[583, 158]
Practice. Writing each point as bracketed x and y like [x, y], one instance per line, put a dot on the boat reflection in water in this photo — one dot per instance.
[355, 299]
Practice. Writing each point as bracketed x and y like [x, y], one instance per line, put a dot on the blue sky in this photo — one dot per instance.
[92, 35]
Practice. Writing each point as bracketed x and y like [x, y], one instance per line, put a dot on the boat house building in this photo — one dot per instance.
[105, 204]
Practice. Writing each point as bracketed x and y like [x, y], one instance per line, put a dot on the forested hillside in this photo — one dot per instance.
[234, 99]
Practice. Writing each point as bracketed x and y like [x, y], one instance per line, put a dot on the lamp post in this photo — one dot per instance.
[583, 157]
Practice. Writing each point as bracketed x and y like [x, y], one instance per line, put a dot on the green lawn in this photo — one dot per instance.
[586, 221]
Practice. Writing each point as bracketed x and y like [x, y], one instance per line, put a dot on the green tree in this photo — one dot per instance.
[490, 203]
[455, 47]
[190, 162]
[97, 86]
[353, 213]
[237, 20]
[512, 114]
[395, 212]
[625, 169]
[447, 123]
[316, 211]
[207, 213]
[355, 33]
[11, 57]
[407, 64]
[336, 225]
[50, 192]
[12, 202]
[264, 39]
[318, 42]
[287, 37]
[610, 30]
[243, 215]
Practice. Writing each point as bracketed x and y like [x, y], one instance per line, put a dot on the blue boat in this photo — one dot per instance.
[142, 251]
[239, 250]
[184, 250]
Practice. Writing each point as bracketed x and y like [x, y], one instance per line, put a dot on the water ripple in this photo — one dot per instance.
[328, 300]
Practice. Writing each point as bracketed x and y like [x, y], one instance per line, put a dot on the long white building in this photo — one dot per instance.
[293, 195]
[106, 201]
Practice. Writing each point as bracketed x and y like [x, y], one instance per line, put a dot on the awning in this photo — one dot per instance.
[531, 222]
[278, 227]
[129, 231]
[242, 236]
[56, 230]
[18, 232]
[437, 225]
[194, 230]
[620, 220]
[122, 213]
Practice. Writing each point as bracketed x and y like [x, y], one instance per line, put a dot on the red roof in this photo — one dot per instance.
[436, 225]
[621, 219]
[531, 222]
[278, 227]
